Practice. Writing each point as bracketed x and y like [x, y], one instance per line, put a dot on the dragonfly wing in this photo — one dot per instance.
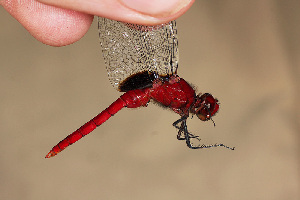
[129, 49]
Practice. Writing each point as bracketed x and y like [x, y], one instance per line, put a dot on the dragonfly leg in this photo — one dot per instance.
[202, 146]
[183, 134]
[188, 137]
[180, 128]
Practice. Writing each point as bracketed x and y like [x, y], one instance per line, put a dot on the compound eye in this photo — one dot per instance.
[203, 117]
[204, 113]
[208, 107]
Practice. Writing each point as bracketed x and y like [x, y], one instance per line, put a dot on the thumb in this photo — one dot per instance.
[147, 12]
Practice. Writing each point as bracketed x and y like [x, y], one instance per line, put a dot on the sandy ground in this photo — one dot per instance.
[246, 53]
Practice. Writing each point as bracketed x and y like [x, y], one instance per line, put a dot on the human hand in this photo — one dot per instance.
[63, 22]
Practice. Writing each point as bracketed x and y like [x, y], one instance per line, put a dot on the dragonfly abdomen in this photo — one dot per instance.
[131, 99]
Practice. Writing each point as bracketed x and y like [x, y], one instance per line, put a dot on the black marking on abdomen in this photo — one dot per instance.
[139, 80]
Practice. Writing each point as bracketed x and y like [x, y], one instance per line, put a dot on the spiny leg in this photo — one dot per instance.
[187, 136]
[183, 133]
[182, 130]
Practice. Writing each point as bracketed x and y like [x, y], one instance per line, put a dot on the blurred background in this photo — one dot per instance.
[246, 53]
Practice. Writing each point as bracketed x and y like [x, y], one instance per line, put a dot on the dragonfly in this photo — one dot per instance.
[142, 61]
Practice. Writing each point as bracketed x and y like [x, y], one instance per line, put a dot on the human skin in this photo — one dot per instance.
[63, 22]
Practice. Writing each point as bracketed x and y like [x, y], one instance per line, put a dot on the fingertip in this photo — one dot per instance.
[65, 27]
[132, 11]
[49, 25]
[156, 8]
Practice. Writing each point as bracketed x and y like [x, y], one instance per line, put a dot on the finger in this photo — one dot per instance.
[50, 25]
[146, 12]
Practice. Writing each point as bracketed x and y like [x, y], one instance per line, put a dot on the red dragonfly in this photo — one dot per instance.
[142, 61]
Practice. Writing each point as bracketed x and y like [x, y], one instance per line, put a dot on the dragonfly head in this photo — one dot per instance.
[205, 106]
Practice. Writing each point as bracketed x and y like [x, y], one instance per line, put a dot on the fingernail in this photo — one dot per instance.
[157, 8]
